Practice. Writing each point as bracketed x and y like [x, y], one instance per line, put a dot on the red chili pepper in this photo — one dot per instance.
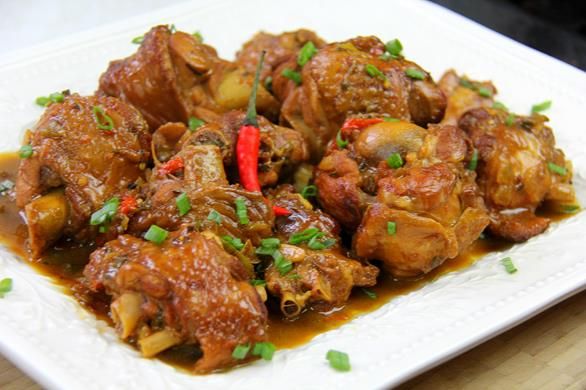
[128, 205]
[360, 123]
[281, 211]
[171, 166]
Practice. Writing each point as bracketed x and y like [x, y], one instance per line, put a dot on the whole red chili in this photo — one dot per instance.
[128, 205]
[173, 165]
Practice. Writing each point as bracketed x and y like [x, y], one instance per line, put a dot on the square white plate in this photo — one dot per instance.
[47, 334]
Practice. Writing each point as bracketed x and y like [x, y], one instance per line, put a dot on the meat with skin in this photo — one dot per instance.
[432, 201]
[336, 84]
[186, 291]
[173, 77]
[322, 279]
[514, 172]
[76, 166]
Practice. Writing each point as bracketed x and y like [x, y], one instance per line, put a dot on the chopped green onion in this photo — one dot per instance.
[241, 351]
[386, 56]
[194, 123]
[394, 48]
[391, 228]
[509, 266]
[156, 234]
[395, 161]
[197, 35]
[307, 51]
[268, 246]
[5, 185]
[269, 83]
[264, 350]
[43, 101]
[389, 119]
[569, 208]
[294, 276]
[172, 28]
[281, 263]
[500, 106]
[258, 282]
[309, 191]
[415, 73]
[106, 213]
[464, 82]
[215, 216]
[57, 97]
[373, 71]
[138, 40]
[320, 245]
[233, 242]
[241, 211]
[510, 120]
[183, 204]
[305, 235]
[473, 163]
[484, 92]
[292, 75]
[25, 151]
[541, 106]
[103, 228]
[562, 171]
[339, 361]
[341, 142]
[5, 286]
[369, 293]
[99, 114]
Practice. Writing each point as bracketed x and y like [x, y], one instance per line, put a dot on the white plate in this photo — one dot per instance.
[48, 335]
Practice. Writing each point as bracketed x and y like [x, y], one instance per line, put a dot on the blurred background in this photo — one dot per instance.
[557, 28]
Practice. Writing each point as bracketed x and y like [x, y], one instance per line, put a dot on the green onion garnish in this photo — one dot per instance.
[241, 211]
[292, 75]
[183, 204]
[313, 237]
[307, 51]
[138, 40]
[264, 349]
[395, 161]
[509, 266]
[25, 151]
[541, 106]
[42, 101]
[197, 35]
[562, 171]
[172, 28]
[484, 92]
[305, 235]
[317, 245]
[156, 234]
[339, 361]
[309, 191]
[268, 246]
[569, 208]
[341, 142]
[391, 228]
[510, 120]
[5, 286]
[464, 82]
[106, 213]
[389, 119]
[394, 48]
[373, 71]
[415, 74]
[369, 293]
[6, 185]
[241, 351]
[500, 106]
[103, 120]
[281, 263]
[473, 163]
[294, 276]
[55, 97]
[233, 242]
[194, 123]
[258, 282]
[215, 216]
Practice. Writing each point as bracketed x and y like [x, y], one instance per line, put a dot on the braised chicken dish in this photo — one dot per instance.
[214, 195]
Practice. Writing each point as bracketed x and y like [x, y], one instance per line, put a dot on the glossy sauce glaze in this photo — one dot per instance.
[65, 263]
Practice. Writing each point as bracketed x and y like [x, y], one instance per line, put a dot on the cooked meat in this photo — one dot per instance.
[279, 48]
[463, 95]
[336, 84]
[187, 290]
[431, 201]
[91, 164]
[320, 279]
[515, 172]
[173, 77]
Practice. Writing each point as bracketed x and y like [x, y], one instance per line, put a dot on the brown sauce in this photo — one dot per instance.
[65, 264]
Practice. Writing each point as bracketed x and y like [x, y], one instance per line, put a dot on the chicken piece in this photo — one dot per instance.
[281, 149]
[519, 168]
[349, 78]
[431, 202]
[185, 291]
[173, 77]
[464, 94]
[320, 279]
[279, 48]
[77, 149]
